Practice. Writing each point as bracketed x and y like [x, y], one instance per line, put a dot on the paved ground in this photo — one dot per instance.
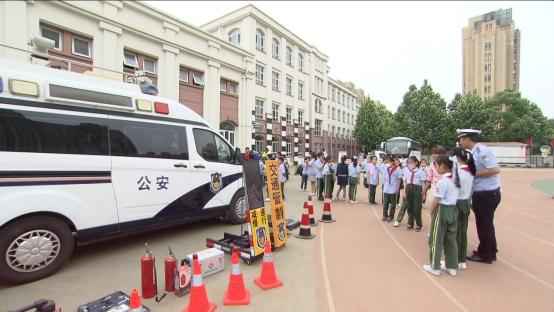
[368, 265]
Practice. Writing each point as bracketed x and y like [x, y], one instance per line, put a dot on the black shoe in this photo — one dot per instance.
[410, 227]
[477, 258]
[418, 229]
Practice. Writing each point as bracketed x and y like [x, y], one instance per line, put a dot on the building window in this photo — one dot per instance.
[289, 56]
[130, 59]
[300, 90]
[259, 108]
[289, 115]
[258, 146]
[318, 106]
[275, 146]
[318, 127]
[260, 40]
[275, 111]
[300, 117]
[198, 79]
[275, 49]
[52, 34]
[333, 114]
[191, 77]
[81, 47]
[275, 81]
[229, 87]
[260, 74]
[333, 131]
[343, 99]
[301, 62]
[229, 135]
[344, 117]
[150, 66]
[234, 36]
[329, 111]
[289, 86]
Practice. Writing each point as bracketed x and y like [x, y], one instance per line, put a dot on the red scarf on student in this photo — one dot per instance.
[390, 171]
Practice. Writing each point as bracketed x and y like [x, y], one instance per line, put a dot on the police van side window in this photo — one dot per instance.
[211, 147]
[140, 139]
[36, 132]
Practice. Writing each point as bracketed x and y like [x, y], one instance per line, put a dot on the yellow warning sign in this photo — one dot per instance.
[259, 229]
[277, 204]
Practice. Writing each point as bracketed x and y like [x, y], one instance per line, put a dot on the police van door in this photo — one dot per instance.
[151, 170]
[215, 158]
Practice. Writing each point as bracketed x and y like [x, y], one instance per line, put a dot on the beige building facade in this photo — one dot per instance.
[491, 54]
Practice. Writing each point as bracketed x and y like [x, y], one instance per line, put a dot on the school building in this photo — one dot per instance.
[246, 74]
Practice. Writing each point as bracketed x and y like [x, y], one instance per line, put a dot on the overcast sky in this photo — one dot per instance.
[383, 47]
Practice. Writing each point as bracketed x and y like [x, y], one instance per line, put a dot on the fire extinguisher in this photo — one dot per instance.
[170, 268]
[148, 274]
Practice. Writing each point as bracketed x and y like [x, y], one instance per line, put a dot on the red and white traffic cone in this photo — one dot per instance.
[236, 293]
[268, 278]
[326, 216]
[199, 301]
[134, 301]
[305, 228]
[310, 204]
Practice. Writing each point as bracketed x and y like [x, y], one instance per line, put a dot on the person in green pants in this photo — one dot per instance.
[414, 178]
[392, 175]
[353, 175]
[444, 231]
[464, 172]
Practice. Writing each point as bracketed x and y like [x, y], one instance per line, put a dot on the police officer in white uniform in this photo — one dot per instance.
[486, 194]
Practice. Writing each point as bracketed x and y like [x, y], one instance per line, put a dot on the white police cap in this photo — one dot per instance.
[465, 132]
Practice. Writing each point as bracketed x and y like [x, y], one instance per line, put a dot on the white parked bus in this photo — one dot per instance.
[84, 159]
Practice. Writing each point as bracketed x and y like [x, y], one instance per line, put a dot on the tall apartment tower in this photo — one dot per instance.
[491, 54]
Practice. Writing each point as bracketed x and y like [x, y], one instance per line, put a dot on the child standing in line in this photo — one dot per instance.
[282, 175]
[464, 174]
[304, 181]
[425, 167]
[312, 175]
[318, 166]
[444, 221]
[414, 179]
[328, 176]
[342, 178]
[372, 178]
[391, 184]
[353, 175]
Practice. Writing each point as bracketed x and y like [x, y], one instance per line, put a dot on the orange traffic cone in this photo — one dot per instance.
[327, 217]
[305, 228]
[134, 301]
[268, 278]
[199, 301]
[310, 204]
[236, 293]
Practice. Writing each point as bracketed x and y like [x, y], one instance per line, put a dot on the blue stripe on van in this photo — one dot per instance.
[33, 178]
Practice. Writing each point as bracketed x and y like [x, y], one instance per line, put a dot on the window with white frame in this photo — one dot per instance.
[344, 116]
[258, 146]
[275, 146]
[338, 115]
[300, 117]
[289, 115]
[53, 35]
[289, 86]
[301, 62]
[333, 131]
[260, 40]
[81, 47]
[275, 81]
[130, 59]
[149, 66]
[259, 108]
[275, 111]
[289, 148]
[275, 48]
[333, 113]
[318, 105]
[234, 36]
[198, 79]
[329, 111]
[343, 99]
[300, 90]
[184, 75]
[334, 94]
[260, 74]
[318, 127]
[289, 56]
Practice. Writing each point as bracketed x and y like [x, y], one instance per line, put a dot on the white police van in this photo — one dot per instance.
[84, 159]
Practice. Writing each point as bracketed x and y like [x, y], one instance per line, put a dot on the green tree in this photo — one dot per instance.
[374, 124]
[423, 116]
[519, 119]
[469, 111]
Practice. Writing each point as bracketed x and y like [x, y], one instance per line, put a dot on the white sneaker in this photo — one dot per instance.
[462, 266]
[452, 272]
[396, 224]
[267, 199]
[427, 268]
[443, 265]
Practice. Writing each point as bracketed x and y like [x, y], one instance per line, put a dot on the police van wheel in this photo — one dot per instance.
[237, 209]
[33, 248]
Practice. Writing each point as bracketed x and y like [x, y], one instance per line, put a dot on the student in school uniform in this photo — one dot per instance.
[444, 229]
[425, 167]
[333, 170]
[353, 181]
[328, 175]
[342, 178]
[372, 176]
[391, 184]
[282, 175]
[414, 178]
[464, 172]
[400, 165]
[433, 175]
[312, 175]
[304, 181]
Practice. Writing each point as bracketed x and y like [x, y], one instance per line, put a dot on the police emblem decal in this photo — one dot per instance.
[215, 183]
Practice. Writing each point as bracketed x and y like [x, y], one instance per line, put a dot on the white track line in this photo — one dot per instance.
[448, 294]
[330, 301]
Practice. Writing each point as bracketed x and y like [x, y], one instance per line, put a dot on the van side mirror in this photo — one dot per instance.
[237, 155]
